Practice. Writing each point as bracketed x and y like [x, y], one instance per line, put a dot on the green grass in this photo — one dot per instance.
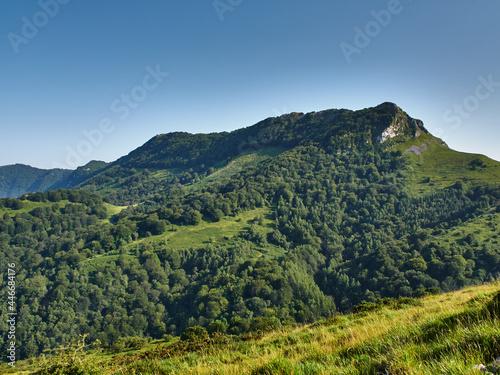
[439, 167]
[224, 232]
[484, 230]
[241, 162]
[118, 182]
[223, 170]
[185, 237]
[440, 334]
[207, 232]
[29, 205]
[113, 210]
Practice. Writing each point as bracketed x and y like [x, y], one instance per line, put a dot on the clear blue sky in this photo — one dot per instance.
[69, 67]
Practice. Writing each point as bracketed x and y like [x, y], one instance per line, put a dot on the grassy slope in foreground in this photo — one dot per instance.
[440, 334]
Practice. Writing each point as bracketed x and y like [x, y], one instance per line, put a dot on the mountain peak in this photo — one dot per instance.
[337, 128]
[402, 124]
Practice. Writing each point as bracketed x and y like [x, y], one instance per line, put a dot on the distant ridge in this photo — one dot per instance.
[19, 179]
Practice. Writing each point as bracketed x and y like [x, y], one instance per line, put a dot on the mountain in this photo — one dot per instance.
[170, 158]
[80, 175]
[343, 128]
[193, 160]
[182, 157]
[19, 179]
[290, 221]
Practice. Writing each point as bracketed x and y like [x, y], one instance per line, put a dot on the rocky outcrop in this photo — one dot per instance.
[416, 150]
[402, 125]
[491, 369]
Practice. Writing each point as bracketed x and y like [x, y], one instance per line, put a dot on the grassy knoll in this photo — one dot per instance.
[223, 232]
[113, 210]
[183, 237]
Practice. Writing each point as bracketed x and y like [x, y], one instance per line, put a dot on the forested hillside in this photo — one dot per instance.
[19, 179]
[330, 211]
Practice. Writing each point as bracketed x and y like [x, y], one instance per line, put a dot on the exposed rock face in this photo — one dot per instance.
[416, 150]
[389, 133]
[402, 125]
[491, 369]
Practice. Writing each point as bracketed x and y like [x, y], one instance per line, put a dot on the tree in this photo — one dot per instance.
[193, 217]
[195, 333]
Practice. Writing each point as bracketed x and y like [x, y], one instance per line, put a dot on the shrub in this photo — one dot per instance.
[74, 359]
[196, 333]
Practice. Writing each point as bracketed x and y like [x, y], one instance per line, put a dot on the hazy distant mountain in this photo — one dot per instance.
[19, 179]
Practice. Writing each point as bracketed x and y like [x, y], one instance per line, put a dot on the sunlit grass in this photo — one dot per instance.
[179, 237]
[443, 334]
[439, 167]
[29, 206]
[237, 164]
